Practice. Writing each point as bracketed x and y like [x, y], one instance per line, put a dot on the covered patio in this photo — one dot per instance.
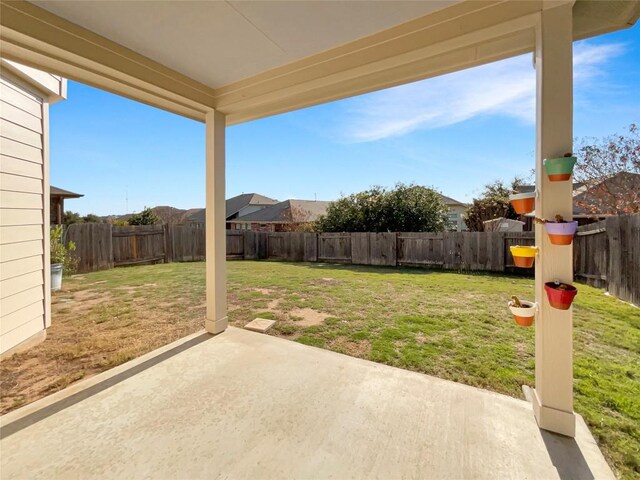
[246, 405]
[243, 405]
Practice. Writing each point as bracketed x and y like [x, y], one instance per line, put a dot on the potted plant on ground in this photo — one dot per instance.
[560, 231]
[523, 202]
[523, 256]
[523, 311]
[560, 169]
[61, 259]
[560, 294]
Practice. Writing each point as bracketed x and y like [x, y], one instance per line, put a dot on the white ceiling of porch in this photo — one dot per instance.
[220, 42]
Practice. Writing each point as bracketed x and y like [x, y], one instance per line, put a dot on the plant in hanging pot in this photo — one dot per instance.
[523, 256]
[61, 259]
[560, 294]
[561, 232]
[560, 169]
[523, 202]
[523, 312]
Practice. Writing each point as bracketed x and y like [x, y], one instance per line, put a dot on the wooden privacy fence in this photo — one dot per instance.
[606, 254]
[101, 246]
[486, 251]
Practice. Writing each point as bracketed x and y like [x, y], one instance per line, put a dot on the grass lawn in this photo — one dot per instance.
[454, 326]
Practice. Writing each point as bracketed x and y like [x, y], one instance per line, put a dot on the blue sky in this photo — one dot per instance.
[454, 133]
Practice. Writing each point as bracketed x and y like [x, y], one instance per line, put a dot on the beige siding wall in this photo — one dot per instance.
[22, 208]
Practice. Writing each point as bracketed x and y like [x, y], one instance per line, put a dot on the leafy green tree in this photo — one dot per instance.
[145, 217]
[406, 208]
[69, 218]
[91, 218]
[492, 203]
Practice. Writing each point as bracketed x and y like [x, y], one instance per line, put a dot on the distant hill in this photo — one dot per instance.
[165, 214]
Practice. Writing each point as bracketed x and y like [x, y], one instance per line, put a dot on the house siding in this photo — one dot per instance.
[23, 188]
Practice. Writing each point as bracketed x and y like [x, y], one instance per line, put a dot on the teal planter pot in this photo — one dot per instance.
[559, 169]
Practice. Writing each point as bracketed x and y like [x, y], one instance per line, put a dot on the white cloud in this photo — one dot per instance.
[504, 88]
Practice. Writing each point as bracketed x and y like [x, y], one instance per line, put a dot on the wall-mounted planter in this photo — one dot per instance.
[523, 202]
[559, 169]
[560, 295]
[524, 314]
[561, 233]
[523, 257]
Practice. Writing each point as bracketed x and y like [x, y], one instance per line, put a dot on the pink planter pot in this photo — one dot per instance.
[561, 233]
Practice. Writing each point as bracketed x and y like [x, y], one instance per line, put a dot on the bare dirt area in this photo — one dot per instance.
[307, 317]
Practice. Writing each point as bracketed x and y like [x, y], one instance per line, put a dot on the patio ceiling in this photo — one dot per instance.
[258, 58]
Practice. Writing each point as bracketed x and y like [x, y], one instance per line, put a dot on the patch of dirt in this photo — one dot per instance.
[272, 306]
[421, 339]
[264, 291]
[309, 316]
[360, 348]
[81, 301]
[328, 281]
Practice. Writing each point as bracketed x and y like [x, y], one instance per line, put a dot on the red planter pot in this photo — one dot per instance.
[560, 299]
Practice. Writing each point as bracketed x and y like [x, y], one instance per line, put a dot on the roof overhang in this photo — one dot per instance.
[460, 35]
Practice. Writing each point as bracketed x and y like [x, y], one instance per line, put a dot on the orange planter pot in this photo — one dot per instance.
[523, 262]
[523, 202]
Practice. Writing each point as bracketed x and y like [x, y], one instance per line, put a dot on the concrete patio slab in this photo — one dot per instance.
[240, 405]
[260, 325]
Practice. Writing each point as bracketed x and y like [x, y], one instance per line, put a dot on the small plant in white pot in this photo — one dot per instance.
[523, 312]
[62, 262]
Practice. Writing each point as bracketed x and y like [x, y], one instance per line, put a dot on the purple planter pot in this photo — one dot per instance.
[561, 233]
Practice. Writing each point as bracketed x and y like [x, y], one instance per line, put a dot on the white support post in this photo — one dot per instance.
[553, 395]
[216, 274]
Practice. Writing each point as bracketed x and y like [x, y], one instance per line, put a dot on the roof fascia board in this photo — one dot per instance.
[38, 38]
[449, 62]
[452, 27]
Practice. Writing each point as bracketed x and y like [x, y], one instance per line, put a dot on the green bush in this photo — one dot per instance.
[406, 208]
[61, 253]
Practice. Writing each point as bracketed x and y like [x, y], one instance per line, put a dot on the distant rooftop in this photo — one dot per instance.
[59, 192]
[297, 211]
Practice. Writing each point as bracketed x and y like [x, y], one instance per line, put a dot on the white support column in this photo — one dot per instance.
[553, 395]
[216, 276]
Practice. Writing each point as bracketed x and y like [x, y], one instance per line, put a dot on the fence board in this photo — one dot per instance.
[94, 249]
[133, 245]
[310, 247]
[383, 249]
[420, 249]
[360, 250]
[591, 255]
[334, 247]
[235, 244]
[186, 243]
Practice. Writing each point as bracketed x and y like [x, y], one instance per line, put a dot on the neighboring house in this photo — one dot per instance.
[25, 307]
[56, 203]
[503, 225]
[235, 207]
[456, 209]
[590, 203]
[284, 216]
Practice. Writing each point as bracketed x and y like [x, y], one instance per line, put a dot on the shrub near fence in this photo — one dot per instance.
[606, 254]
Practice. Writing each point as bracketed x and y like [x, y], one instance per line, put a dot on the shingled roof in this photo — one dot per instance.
[289, 211]
[59, 192]
[233, 206]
